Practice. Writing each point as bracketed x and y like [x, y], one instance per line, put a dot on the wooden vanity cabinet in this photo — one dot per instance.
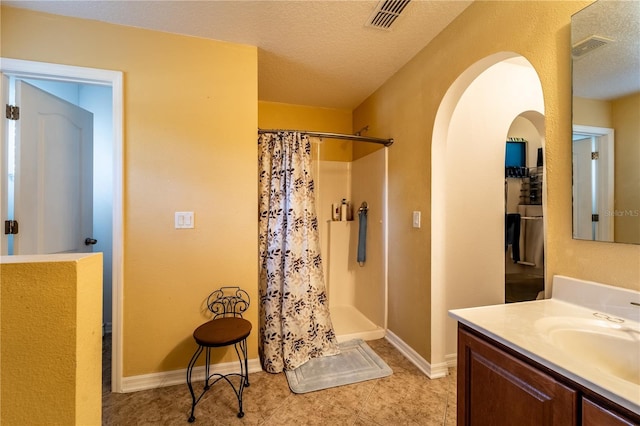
[498, 386]
[595, 414]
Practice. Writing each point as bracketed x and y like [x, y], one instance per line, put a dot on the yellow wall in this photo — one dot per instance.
[51, 339]
[274, 115]
[626, 124]
[190, 119]
[591, 112]
[405, 107]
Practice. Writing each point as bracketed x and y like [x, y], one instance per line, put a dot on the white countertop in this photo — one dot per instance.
[518, 327]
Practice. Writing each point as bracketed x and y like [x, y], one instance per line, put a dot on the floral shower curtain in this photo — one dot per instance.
[294, 319]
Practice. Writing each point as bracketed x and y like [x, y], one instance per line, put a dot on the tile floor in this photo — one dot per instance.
[407, 397]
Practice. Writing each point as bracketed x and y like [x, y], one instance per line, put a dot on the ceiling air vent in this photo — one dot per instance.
[588, 45]
[386, 13]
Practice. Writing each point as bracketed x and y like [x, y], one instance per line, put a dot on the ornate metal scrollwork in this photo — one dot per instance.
[228, 301]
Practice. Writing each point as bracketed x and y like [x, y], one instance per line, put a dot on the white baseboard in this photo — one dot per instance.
[179, 377]
[436, 371]
[451, 360]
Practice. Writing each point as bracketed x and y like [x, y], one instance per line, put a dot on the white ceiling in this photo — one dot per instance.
[313, 52]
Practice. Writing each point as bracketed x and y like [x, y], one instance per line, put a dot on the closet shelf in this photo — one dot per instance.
[531, 187]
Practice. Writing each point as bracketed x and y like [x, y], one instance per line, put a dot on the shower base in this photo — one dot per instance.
[349, 323]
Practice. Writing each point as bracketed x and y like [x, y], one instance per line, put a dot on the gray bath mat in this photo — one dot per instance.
[356, 362]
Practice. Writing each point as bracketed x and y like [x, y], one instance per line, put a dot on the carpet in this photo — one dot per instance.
[356, 362]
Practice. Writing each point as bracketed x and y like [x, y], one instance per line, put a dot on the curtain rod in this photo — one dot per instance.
[385, 142]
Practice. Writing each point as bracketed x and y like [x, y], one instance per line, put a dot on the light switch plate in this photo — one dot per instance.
[416, 219]
[184, 220]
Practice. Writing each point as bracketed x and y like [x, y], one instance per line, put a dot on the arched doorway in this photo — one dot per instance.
[524, 191]
[468, 154]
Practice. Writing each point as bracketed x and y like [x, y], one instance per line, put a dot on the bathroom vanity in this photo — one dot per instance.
[573, 359]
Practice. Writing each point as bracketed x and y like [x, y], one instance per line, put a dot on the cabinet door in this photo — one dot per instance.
[593, 414]
[495, 388]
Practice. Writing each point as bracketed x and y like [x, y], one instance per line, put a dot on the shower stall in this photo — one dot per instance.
[357, 292]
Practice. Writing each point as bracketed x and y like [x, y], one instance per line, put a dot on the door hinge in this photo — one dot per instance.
[595, 218]
[595, 155]
[10, 227]
[13, 112]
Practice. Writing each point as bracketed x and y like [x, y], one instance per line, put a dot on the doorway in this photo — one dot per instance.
[593, 183]
[524, 219]
[55, 74]
[467, 188]
[97, 100]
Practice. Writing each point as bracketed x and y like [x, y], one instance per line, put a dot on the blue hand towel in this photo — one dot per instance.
[362, 236]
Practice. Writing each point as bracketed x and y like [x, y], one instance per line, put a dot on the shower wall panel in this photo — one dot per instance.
[368, 184]
[333, 183]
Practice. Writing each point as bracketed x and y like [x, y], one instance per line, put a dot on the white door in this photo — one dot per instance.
[593, 183]
[583, 202]
[54, 174]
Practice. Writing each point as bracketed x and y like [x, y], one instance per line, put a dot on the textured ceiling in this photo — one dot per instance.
[613, 70]
[313, 52]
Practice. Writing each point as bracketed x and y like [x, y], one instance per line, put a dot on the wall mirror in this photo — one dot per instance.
[605, 40]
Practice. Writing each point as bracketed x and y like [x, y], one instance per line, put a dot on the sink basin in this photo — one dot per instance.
[612, 347]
